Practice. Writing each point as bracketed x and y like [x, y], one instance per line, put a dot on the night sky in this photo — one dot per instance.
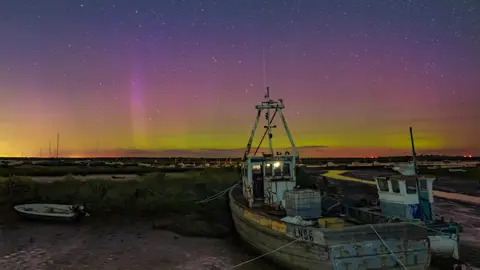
[171, 77]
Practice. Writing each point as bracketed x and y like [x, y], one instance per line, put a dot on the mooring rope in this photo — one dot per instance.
[265, 254]
[430, 229]
[217, 195]
[388, 248]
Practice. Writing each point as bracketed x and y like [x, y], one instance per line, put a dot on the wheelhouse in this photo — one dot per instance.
[406, 197]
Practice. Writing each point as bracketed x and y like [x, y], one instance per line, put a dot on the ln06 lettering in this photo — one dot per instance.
[304, 234]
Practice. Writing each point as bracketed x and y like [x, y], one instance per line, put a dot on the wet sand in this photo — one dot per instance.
[41, 246]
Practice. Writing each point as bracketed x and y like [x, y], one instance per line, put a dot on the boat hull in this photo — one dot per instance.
[48, 218]
[336, 249]
[68, 216]
[444, 246]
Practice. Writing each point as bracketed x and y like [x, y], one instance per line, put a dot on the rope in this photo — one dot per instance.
[433, 230]
[265, 254]
[388, 248]
[217, 195]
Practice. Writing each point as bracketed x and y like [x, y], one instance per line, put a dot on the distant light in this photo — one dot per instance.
[276, 164]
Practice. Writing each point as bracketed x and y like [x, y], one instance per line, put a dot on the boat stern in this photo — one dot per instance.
[414, 254]
[444, 239]
[380, 246]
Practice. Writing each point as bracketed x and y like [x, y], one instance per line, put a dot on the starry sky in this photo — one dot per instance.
[172, 77]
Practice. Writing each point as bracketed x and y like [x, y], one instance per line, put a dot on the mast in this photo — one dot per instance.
[49, 149]
[269, 106]
[267, 98]
[58, 142]
[414, 154]
[269, 123]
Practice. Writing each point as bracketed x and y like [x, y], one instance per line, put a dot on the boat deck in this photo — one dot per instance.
[315, 247]
[261, 209]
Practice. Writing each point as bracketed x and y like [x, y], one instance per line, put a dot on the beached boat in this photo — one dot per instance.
[286, 223]
[408, 196]
[53, 212]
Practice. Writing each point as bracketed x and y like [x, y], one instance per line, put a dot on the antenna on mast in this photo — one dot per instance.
[267, 94]
[414, 153]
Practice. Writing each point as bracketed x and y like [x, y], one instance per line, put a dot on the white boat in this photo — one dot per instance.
[57, 212]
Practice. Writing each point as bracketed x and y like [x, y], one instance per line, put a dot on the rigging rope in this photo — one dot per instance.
[265, 254]
[217, 195]
[388, 248]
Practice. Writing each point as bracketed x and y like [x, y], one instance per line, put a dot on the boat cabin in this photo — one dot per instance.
[406, 197]
[266, 178]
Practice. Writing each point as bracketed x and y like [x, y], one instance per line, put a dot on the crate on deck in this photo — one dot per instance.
[305, 203]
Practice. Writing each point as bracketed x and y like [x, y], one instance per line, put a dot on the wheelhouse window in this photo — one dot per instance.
[286, 169]
[277, 169]
[411, 186]
[383, 184]
[423, 185]
[395, 186]
[268, 170]
[256, 168]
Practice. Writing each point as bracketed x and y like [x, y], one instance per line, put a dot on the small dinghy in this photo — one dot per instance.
[53, 212]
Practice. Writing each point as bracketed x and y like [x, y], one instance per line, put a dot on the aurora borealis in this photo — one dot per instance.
[156, 78]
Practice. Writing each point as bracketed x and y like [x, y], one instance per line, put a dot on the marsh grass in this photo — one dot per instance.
[40, 170]
[152, 195]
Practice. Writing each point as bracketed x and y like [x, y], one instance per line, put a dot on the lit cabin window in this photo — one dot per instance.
[256, 168]
[382, 184]
[395, 186]
[411, 186]
[268, 169]
[286, 169]
[277, 169]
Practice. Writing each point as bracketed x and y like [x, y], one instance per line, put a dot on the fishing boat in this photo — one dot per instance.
[51, 212]
[408, 196]
[417, 191]
[286, 223]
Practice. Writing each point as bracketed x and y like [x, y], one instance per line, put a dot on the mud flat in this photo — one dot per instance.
[114, 246]
[150, 223]
[169, 204]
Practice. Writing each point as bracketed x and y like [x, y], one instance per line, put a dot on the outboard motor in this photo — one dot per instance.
[80, 211]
